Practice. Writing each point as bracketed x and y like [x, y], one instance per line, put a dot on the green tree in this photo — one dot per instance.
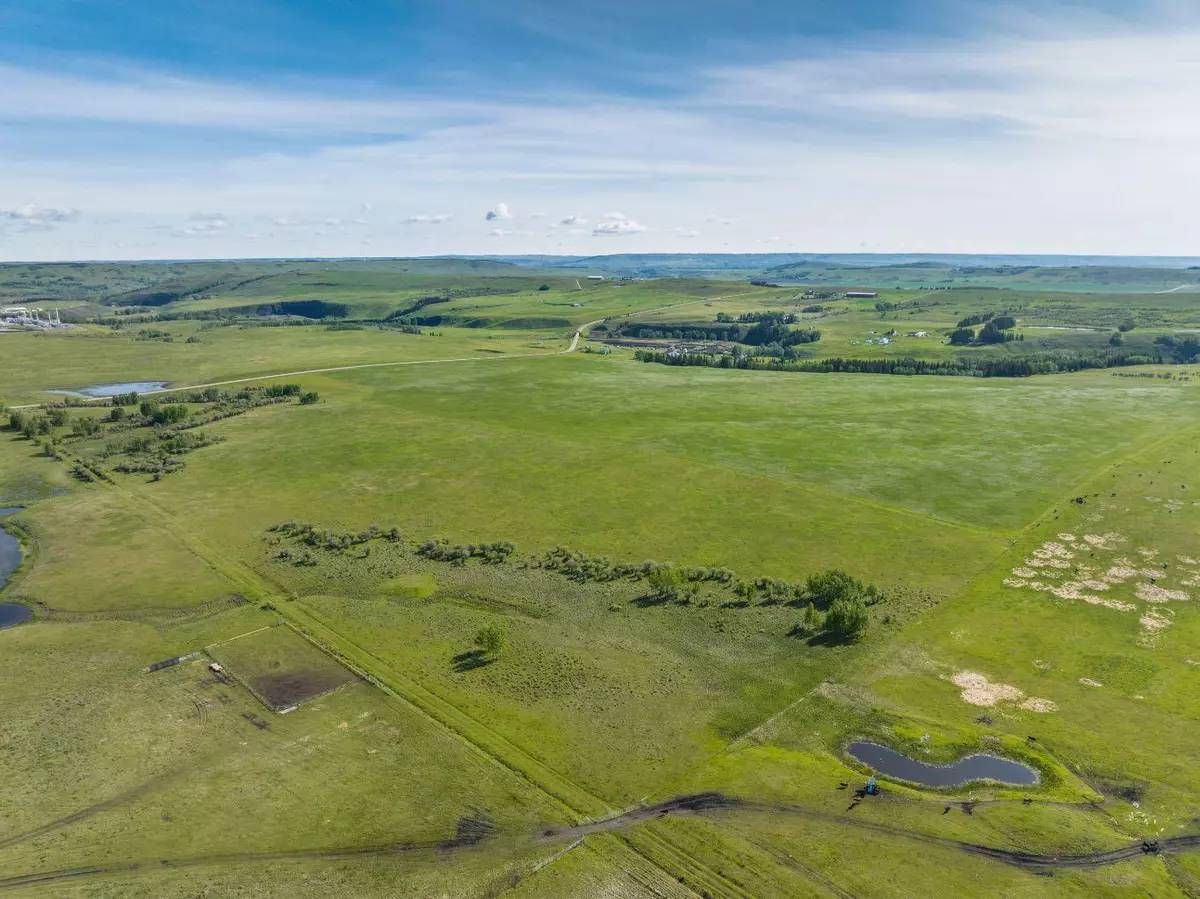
[827, 587]
[490, 640]
[1116, 339]
[847, 619]
[993, 333]
[307, 399]
[962, 337]
[814, 621]
[1126, 326]
[668, 583]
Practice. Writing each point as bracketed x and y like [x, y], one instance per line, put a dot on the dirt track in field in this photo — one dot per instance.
[477, 828]
[712, 804]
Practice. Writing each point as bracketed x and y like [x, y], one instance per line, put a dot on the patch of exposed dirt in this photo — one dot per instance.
[977, 689]
[1155, 593]
[1034, 704]
[286, 689]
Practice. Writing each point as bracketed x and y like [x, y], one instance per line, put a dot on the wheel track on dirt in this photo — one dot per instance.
[707, 805]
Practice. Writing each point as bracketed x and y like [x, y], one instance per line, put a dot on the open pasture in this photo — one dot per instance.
[1034, 542]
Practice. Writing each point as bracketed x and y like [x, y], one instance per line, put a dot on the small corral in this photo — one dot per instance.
[280, 667]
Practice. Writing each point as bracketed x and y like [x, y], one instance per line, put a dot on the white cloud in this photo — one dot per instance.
[31, 217]
[33, 213]
[616, 224]
[685, 232]
[504, 232]
[284, 221]
[573, 220]
[439, 219]
[499, 211]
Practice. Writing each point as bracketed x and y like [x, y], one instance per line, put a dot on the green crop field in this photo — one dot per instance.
[499, 612]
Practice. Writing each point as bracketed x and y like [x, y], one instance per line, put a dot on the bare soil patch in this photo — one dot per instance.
[289, 688]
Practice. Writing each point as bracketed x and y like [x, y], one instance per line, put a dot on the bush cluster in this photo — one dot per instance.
[440, 550]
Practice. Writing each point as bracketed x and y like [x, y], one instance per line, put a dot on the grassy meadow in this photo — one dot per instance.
[1035, 543]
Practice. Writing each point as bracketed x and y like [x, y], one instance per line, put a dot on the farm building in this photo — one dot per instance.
[861, 294]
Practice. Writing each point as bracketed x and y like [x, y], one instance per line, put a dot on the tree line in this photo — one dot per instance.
[976, 367]
[834, 603]
[765, 329]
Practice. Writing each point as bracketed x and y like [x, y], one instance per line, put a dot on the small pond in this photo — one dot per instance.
[11, 614]
[974, 767]
[114, 389]
[10, 549]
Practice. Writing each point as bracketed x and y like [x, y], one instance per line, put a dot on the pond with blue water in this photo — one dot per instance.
[895, 764]
[99, 390]
[11, 614]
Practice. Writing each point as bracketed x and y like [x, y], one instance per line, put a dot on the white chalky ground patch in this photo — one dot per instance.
[1153, 621]
[1120, 572]
[1155, 593]
[978, 690]
[1088, 682]
[1047, 565]
[1034, 704]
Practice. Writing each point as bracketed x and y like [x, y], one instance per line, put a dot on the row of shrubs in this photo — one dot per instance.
[314, 535]
[833, 601]
[440, 550]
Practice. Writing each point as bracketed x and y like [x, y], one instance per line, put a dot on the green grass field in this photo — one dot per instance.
[1035, 543]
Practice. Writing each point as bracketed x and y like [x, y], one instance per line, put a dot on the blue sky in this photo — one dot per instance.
[137, 129]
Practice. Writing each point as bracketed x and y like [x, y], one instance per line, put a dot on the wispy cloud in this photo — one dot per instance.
[617, 224]
[439, 219]
[499, 211]
[32, 217]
